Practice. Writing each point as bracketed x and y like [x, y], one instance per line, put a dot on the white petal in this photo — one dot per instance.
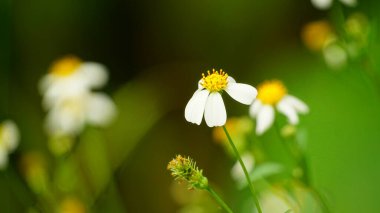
[351, 3]
[63, 88]
[196, 106]
[321, 4]
[255, 108]
[100, 109]
[215, 112]
[265, 119]
[237, 172]
[335, 55]
[10, 135]
[67, 117]
[231, 80]
[45, 83]
[200, 84]
[298, 105]
[94, 75]
[288, 110]
[242, 93]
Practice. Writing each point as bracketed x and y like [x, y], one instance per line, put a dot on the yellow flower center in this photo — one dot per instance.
[271, 92]
[215, 81]
[316, 34]
[65, 66]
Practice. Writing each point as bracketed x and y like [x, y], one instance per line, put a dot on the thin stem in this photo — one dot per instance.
[301, 159]
[245, 171]
[219, 200]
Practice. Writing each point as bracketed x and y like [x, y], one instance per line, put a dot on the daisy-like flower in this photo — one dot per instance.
[9, 138]
[69, 99]
[69, 115]
[273, 95]
[70, 76]
[208, 100]
[326, 4]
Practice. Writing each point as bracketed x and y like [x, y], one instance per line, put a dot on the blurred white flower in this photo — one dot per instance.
[70, 76]
[272, 202]
[326, 4]
[9, 138]
[69, 99]
[208, 100]
[335, 55]
[237, 172]
[69, 115]
[273, 95]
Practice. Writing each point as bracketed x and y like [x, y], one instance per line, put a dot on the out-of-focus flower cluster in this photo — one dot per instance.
[69, 98]
[338, 45]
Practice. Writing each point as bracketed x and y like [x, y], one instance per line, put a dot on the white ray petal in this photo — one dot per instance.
[215, 112]
[322, 4]
[288, 110]
[67, 117]
[298, 105]
[200, 84]
[265, 118]
[94, 75]
[45, 83]
[255, 108]
[231, 80]
[242, 93]
[196, 106]
[351, 3]
[10, 135]
[100, 109]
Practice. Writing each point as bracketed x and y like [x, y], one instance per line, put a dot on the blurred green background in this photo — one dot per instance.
[155, 52]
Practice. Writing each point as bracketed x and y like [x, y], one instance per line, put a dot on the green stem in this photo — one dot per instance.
[245, 171]
[301, 160]
[219, 200]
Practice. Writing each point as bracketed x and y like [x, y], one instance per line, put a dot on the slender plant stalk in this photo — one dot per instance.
[219, 200]
[245, 171]
[302, 161]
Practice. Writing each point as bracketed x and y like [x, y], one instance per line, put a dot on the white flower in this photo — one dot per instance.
[325, 4]
[208, 100]
[335, 55]
[69, 99]
[237, 172]
[276, 201]
[69, 115]
[70, 76]
[273, 95]
[9, 138]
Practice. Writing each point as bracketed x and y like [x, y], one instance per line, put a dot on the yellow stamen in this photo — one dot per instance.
[271, 92]
[65, 66]
[215, 81]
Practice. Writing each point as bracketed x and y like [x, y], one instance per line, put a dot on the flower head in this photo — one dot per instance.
[273, 95]
[69, 115]
[271, 92]
[71, 76]
[208, 100]
[69, 99]
[317, 34]
[9, 138]
[185, 169]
